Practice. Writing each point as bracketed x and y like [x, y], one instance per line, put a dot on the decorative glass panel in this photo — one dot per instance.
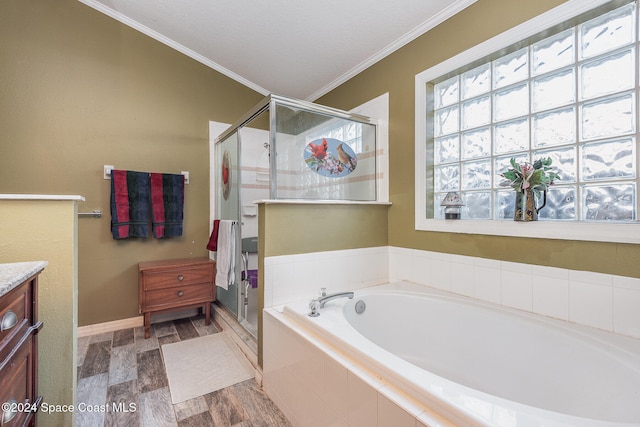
[476, 112]
[476, 175]
[553, 90]
[446, 92]
[553, 53]
[554, 128]
[609, 202]
[477, 205]
[476, 143]
[511, 68]
[447, 149]
[609, 160]
[511, 136]
[447, 178]
[607, 75]
[446, 121]
[570, 97]
[608, 117]
[607, 32]
[505, 204]
[476, 82]
[564, 162]
[561, 204]
[512, 102]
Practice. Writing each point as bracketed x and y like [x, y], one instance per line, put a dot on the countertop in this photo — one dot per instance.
[14, 273]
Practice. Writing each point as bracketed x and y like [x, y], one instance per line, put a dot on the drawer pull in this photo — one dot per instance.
[180, 277]
[180, 293]
[9, 320]
[10, 412]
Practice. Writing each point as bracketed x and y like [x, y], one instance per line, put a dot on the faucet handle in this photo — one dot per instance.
[314, 306]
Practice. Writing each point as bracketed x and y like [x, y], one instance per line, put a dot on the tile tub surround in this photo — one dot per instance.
[14, 273]
[603, 301]
[292, 277]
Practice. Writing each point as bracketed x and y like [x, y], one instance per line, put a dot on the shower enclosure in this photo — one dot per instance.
[285, 149]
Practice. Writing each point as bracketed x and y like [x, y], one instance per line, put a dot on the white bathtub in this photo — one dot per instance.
[464, 362]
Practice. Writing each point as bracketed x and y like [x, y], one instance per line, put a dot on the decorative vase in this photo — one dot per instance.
[526, 205]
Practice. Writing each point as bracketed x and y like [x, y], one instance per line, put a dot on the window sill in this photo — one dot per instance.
[584, 231]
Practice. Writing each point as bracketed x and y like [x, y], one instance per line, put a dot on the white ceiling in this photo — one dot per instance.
[296, 48]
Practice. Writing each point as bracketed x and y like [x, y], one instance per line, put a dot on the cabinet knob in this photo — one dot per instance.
[180, 293]
[180, 277]
[11, 411]
[9, 320]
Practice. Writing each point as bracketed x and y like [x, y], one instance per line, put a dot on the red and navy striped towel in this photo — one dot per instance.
[129, 204]
[167, 204]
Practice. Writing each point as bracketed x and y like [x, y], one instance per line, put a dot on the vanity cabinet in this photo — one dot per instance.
[19, 353]
[171, 285]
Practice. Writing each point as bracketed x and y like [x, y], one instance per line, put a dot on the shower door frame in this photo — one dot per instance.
[269, 103]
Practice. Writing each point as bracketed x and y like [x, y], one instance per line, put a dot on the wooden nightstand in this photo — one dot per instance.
[176, 284]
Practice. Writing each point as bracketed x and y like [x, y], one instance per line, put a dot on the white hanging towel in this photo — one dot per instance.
[226, 256]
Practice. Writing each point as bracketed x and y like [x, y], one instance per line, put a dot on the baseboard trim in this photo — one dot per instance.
[99, 328]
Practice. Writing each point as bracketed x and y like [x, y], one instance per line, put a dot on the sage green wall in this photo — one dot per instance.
[79, 90]
[28, 235]
[289, 229]
[396, 75]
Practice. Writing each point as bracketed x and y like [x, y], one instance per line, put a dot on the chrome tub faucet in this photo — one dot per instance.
[316, 304]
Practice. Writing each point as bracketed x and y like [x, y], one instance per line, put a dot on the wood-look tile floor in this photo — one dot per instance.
[122, 370]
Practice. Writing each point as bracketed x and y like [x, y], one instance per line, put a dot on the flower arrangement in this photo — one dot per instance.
[536, 176]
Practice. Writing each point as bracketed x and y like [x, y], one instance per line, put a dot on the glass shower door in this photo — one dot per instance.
[228, 207]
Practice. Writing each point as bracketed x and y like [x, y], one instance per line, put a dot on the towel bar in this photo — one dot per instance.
[97, 213]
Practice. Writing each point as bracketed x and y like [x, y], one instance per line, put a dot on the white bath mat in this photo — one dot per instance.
[202, 365]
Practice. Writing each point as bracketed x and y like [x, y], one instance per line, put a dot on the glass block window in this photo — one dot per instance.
[571, 96]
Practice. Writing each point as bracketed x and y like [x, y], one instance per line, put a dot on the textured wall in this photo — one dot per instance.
[47, 231]
[79, 90]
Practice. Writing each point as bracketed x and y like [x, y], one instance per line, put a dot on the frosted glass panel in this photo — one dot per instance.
[476, 175]
[446, 92]
[445, 121]
[607, 75]
[553, 90]
[608, 117]
[609, 202]
[607, 32]
[553, 53]
[511, 68]
[477, 205]
[511, 136]
[447, 178]
[554, 128]
[561, 204]
[476, 112]
[609, 159]
[447, 149]
[512, 102]
[476, 82]
[476, 143]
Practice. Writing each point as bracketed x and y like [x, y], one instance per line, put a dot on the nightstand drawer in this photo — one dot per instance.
[14, 311]
[178, 296]
[177, 277]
